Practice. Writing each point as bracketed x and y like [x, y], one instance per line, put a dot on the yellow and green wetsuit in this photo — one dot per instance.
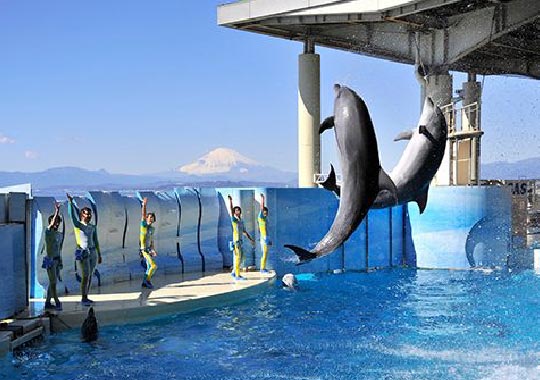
[261, 221]
[146, 238]
[238, 232]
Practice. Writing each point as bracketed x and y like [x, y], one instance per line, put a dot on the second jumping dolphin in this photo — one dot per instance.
[362, 174]
[420, 160]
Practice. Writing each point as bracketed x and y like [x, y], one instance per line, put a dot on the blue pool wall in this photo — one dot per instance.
[13, 265]
[13, 289]
[461, 227]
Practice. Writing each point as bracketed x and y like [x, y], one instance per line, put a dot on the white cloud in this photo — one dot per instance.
[30, 154]
[5, 139]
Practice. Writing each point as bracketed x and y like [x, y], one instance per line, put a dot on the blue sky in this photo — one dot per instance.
[142, 87]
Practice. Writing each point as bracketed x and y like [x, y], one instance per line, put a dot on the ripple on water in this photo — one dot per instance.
[399, 324]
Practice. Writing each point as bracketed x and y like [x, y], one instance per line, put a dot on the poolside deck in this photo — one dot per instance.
[127, 302]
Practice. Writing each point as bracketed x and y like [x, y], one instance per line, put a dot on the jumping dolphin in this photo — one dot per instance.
[89, 328]
[363, 176]
[420, 159]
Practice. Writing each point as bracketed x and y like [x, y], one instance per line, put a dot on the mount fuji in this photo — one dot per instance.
[227, 164]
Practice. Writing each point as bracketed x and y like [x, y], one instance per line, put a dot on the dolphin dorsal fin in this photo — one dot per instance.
[386, 183]
[328, 123]
[330, 183]
[421, 199]
[405, 135]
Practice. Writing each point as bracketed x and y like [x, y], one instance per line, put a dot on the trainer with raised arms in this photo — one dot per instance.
[238, 231]
[146, 238]
[52, 262]
[87, 254]
[265, 241]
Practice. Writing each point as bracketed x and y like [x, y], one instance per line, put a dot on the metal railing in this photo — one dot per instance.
[462, 119]
[319, 178]
[464, 135]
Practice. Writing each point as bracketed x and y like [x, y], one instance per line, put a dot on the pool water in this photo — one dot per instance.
[392, 324]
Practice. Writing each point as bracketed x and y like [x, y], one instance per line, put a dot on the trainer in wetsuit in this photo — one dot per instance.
[146, 238]
[265, 242]
[238, 231]
[87, 254]
[52, 262]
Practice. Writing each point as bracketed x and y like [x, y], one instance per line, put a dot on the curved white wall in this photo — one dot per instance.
[112, 222]
[132, 208]
[189, 245]
[208, 236]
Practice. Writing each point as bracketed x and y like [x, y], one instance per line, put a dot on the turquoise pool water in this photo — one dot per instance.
[395, 324]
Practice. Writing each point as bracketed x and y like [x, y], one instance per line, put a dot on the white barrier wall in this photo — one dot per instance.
[250, 211]
[189, 222]
[224, 227]
[132, 208]
[208, 240]
[112, 224]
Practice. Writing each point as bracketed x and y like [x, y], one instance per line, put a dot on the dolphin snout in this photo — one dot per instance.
[337, 89]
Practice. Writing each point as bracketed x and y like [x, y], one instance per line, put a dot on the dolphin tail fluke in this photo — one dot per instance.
[405, 135]
[303, 254]
[386, 183]
[421, 200]
[328, 123]
[330, 183]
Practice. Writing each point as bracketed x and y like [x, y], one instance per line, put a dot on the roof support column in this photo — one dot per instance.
[439, 89]
[309, 146]
[470, 122]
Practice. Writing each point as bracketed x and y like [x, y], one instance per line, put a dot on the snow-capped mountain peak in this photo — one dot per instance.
[220, 160]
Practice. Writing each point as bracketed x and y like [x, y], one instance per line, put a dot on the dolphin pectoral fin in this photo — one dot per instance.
[303, 254]
[386, 184]
[406, 135]
[330, 183]
[328, 123]
[421, 200]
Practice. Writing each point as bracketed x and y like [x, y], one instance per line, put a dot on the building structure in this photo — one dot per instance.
[479, 37]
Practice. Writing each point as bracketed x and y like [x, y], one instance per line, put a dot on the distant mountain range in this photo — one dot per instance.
[523, 169]
[219, 168]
